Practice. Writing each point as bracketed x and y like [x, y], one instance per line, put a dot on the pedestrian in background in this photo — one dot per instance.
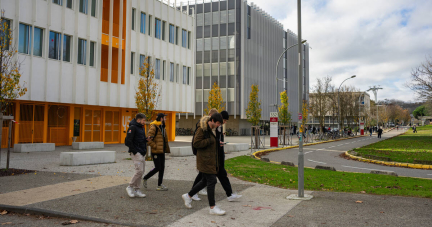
[380, 131]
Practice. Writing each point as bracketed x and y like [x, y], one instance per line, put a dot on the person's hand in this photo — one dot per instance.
[222, 143]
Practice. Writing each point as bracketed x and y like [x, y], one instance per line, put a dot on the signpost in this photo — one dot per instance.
[274, 129]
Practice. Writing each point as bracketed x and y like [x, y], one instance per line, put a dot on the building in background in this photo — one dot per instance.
[81, 60]
[238, 45]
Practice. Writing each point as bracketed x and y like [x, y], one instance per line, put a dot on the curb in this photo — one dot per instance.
[395, 164]
[51, 213]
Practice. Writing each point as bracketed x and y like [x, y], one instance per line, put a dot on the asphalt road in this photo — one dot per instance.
[327, 154]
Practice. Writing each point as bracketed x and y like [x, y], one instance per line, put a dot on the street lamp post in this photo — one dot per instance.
[340, 116]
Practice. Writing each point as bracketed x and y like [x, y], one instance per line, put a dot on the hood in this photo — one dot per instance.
[203, 123]
[158, 123]
[134, 122]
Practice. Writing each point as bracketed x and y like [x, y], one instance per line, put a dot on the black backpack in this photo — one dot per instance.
[128, 138]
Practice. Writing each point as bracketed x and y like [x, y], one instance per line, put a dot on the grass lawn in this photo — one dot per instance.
[403, 148]
[250, 169]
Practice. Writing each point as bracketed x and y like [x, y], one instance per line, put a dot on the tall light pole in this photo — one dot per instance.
[375, 89]
[340, 115]
[276, 75]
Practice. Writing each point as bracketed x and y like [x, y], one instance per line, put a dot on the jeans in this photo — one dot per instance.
[159, 162]
[210, 181]
[139, 163]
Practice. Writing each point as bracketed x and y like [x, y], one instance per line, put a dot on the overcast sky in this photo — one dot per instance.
[380, 41]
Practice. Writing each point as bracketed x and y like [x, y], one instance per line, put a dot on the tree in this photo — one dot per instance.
[148, 93]
[319, 101]
[421, 80]
[284, 114]
[253, 112]
[10, 87]
[305, 110]
[215, 99]
[420, 111]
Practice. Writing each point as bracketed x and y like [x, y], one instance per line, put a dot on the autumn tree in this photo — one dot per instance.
[253, 112]
[284, 114]
[305, 113]
[148, 93]
[215, 99]
[421, 80]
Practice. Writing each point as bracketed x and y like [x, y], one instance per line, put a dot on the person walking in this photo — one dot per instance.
[370, 130]
[207, 146]
[159, 146]
[414, 129]
[137, 143]
[380, 131]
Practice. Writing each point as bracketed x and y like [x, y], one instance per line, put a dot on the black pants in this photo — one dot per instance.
[210, 181]
[222, 175]
[379, 135]
[159, 162]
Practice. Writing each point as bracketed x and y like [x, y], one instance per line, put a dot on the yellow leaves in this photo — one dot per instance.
[253, 112]
[215, 99]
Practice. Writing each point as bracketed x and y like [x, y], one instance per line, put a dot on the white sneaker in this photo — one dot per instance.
[234, 197]
[217, 211]
[130, 191]
[203, 192]
[187, 200]
[139, 193]
[196, 198]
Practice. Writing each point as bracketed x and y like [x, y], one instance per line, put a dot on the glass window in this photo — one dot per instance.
[223, 57]
[207, 69]
[133, 19]
[199, 58]
[157, 28]
[215, 69]
[132, 62]
[223, 43]
[231, 4]
[92, 53]
[199, 32]
[189, 40]
[199, 72]
[223, 5]
[231, 16]
[83, 5]
[198, 95]
[171, 72]
[177, 35]
[163, 30]
[231, 55]
[207, 56]
[215, 18]
[149, 25]
[66, 47]
[231, 42]
[215, 30]
[5, 39]
[25, 34]
[82, 50]
[199, 44]
[215, 55]
[222, 29]
[215, 6]
[184, 74]
[207, 44]
[230, 68]
[223, 17]
[184, 38]
[177, 73]
[163, 69]
[223, 68]
[207, 18]
[215, 43]
[143, 23]
[231, 29]
[38, 41]
[93, 9]
[188, 75]
[171, 33]
[207, 7]
[54, 47]
[69, 4]
[200, 20]
[142, 60]
[60, 2]
[199, 8]
[207, 30]
[157, 69]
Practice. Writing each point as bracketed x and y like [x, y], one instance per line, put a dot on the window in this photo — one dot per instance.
[171, 72]
[143, 23]
[66, 47]
[185, 75]
[215, 43]
[149, 27]
[184, 38]
[207, 44]
[208, 18]
[222, 29]
[93, 9]
[177, 36]
[54, 46]
[142, 60]
[163, 30]
[200, 20]
[177, 73]
[231, 29]
[132, 62]
[188, 74]
[82, 49]
[199, 32]
[60, 2]
[25, 33]
[83, 4]
[223, 17]
[157, 28]
[69, 4]
[231, 16]
[92, 53]
[133, 18]
[38, 41]
[157, 69]
[248, 22]
[215, 17]
[215, 30]
[4, 41]
[163, 70]
[171, 33]
[189, 40]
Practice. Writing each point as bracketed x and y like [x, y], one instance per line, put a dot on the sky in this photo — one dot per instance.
[379, 41]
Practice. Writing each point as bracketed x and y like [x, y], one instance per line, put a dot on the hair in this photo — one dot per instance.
[217, 117]
[212, 111]
[140, 116]
[225, 115]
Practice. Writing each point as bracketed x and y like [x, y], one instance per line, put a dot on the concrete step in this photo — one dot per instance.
[87, 145]
[33, 147]
[86, 158]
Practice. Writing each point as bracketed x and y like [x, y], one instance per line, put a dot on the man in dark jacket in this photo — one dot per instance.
[137, 143]
[207, 146]
[380, 131]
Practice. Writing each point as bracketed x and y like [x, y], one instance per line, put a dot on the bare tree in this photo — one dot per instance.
[319, 102]
[421, 80]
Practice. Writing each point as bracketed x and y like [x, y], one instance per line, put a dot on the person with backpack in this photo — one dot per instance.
[159, 146]
[207, 159]
[137, 143]
[199, 176]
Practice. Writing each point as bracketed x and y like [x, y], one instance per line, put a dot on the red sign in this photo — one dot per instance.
[300, 116]
[273, 119]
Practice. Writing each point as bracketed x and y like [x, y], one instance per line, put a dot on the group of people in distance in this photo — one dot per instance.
[207, 141]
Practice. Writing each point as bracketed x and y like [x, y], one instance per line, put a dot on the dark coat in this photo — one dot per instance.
[137, 138]
[207, 147]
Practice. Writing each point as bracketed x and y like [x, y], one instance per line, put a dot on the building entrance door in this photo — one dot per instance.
[112, 126]
[58, 125]
[92, 126]
[31, 123]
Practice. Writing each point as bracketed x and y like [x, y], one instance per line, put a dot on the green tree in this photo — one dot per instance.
[215, 99]
[284, 115]
[420, 111]
[253, 112]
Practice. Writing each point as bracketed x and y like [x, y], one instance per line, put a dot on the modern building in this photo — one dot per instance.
[81, 61]
[238, 45]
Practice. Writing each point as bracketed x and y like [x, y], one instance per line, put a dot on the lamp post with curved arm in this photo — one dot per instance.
[340, 115]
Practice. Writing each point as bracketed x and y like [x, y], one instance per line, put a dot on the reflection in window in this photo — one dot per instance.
[82, 50]
[54, 46]
[25, 34]
[38, 41]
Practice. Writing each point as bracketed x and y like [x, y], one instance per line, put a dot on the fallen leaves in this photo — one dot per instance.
[70, 222]
[6, 223]
[358, 201]
[363, 192]
[4, 212]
